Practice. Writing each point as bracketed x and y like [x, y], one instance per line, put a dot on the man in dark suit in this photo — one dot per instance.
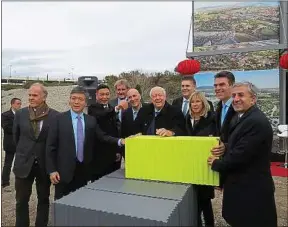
[71, 144]
[130, 114]
[108, 157]
[159, 117]
[7, 119]
[30, 131]
[120, 102]
[188, 86]
[248, 195]
[223, 83]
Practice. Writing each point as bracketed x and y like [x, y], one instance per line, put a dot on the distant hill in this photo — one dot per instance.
[205, 87]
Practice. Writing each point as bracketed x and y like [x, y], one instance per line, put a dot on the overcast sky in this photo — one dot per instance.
[93, 38]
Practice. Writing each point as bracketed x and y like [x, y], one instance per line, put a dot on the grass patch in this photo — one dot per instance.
[7, 87]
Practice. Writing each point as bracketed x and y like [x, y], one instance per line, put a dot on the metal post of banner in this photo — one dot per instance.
[282, 74]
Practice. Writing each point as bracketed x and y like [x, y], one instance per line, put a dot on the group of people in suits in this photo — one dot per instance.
[70, 149]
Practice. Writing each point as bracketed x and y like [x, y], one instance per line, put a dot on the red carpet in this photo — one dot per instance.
[277, 170]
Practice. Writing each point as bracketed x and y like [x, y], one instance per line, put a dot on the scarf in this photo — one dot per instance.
[36, 115]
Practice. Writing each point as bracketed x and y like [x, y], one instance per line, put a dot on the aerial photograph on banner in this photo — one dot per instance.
[240, 25]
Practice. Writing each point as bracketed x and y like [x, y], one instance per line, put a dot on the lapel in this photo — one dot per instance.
[44, 125]
[86, 128]
[218, 114]
[227, 118]
[189, 125]
[164, 110]
[27, 117]
[198, 125]
[11, 114]
[150, 115]
[229, 115]
[70, 128]
[181, 103]
[130, 114]
[237, 121]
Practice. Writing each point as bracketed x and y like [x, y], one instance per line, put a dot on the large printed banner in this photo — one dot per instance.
[172, 159]
[228, 25]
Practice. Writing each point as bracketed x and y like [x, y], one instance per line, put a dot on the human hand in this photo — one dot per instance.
[118, 157]
[164, 132]
[211, 159]
[138, 134]
[54, 178]
[218, 150]
[123, 105]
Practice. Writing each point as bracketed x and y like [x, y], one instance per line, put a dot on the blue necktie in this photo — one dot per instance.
[80, 139]
[135, 115]
[185, 107]
[223, 113]
[151, 128]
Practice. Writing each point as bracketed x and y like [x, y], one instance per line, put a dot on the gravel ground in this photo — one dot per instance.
[58, 99]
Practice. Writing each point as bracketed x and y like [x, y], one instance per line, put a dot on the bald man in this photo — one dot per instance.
[30, 131]
[129, 115]
[159, 117]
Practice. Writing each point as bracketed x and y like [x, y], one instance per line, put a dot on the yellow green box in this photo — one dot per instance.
[174, 159]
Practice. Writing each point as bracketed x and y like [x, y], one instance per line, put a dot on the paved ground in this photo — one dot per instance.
[8, 204]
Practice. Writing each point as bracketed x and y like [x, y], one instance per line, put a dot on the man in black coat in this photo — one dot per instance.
[188, 86]
[7, 119]
[223, 83]
[159, 117]
[120, 102]
[30, 131]
[108, 157]
[129, 115]
[248, 194]
[71, 144]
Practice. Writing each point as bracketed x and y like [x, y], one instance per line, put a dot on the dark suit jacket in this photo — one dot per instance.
[248, 198]
[106, 155]
[205, 127]
[169, 117]
[223, 131]
[127, 123]
[61, 151]
[178, 102]
[7, 119]
[29, 148]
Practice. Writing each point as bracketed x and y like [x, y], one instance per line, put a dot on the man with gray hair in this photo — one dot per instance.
[248, 195]
[30, 131]
[159, 117]
[120, 103]
[71, 145]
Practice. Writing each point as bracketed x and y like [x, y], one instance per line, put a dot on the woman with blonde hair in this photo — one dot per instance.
[201, 122]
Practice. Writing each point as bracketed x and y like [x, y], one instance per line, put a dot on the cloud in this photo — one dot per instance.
[93, 38]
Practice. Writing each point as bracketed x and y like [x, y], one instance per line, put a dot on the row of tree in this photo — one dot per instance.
[144, 81]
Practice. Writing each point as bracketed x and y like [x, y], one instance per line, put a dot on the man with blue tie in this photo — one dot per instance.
[188, 86]
[223, 83]
[71, 144]
[129, 116]
[159, 117]
[224, 113]
[120, 102]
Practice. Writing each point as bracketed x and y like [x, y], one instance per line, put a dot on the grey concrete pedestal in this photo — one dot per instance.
[116, 201]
